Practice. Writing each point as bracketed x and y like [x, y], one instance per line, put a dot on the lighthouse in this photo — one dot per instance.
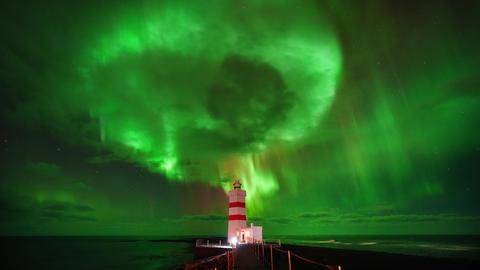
[237, 216]
[238, 232]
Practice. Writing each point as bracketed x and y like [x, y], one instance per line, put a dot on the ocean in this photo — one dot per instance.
[117, 253]
[159, 253]
[442, 246]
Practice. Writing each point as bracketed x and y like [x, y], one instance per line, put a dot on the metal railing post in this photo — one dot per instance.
[271, 256]
[258, 251]
[289, 261]
[228, 260]
[263, 251]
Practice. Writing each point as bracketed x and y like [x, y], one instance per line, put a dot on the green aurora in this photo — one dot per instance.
[339, 117]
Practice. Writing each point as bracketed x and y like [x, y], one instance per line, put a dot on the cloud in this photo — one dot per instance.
[61, 216]
[313, 215]
[202, 218]
[42, 177]
[64, 211]
[257, 219]
[23, 208]
[318, 218]
[281, 220]
[224, 218]
[44, 168]
[406, 218]
[250, 97]
[58, 206]
[9, 210]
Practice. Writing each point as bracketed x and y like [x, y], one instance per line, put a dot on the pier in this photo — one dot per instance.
[271, 256]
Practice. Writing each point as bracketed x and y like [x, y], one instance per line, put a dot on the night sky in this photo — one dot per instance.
[339, 117]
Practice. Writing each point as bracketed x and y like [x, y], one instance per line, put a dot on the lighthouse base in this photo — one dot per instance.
[248, 235]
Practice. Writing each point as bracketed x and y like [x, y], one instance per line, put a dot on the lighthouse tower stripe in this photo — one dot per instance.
[236, 204]
[237, 217]
[236, 211]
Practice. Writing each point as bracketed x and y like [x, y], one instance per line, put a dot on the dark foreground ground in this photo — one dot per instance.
[356, 259]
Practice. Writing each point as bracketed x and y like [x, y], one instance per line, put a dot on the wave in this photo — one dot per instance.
[367, 243]
[450, 247]
[408, 246]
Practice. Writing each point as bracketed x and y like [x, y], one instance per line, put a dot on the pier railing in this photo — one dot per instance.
[277, 258]
[208, 243]
[225, 260]
[273, 256]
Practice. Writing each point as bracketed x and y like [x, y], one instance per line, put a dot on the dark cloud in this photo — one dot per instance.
[406, 218]
[281, 220]
[47, 178]
[319, 218]
[56, 206]
[27, 209]
[322, 218]
[12, 211]
[61, 216]
[206, 218]
[257, 219]
[250, 97]
[314, 215]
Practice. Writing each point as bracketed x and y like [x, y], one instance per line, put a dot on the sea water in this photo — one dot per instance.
[160, 253]
[447, 246]
[94, 253]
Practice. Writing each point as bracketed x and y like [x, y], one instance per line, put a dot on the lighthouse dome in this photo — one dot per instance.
[237, 184]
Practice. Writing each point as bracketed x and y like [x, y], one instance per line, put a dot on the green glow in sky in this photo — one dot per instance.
[132, 62]
[339, 117]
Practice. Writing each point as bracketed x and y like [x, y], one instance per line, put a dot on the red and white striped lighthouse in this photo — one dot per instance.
[237, 217]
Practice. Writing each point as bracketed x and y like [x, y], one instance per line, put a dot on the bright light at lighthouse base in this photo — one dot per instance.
[233, 241]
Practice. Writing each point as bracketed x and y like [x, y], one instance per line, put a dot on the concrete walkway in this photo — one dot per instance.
[247, 260]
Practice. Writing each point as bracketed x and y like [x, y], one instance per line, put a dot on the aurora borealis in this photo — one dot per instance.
[339, 117]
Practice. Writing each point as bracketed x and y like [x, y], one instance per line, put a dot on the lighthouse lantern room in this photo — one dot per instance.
[238, 232]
